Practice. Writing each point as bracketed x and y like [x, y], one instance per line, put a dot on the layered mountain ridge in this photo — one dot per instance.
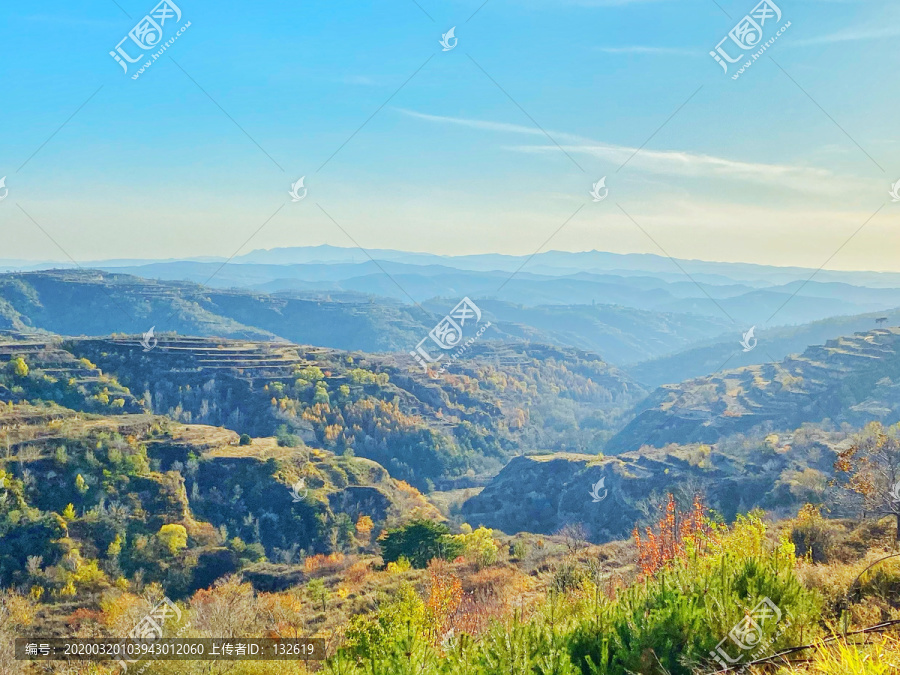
[850, 379]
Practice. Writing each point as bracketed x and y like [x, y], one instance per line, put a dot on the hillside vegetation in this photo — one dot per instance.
[685, 594]
[850, 379]
[461, 424]
[462, 522]
[94, 502]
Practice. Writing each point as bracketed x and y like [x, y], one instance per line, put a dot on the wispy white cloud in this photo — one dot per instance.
[640, 49]
[690, 164]
[853, 34]
[666, 162]
[606, 3]
[360, 79]
[480, 124]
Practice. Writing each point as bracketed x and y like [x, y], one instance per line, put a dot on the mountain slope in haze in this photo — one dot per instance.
[739, 301]
[400, 281]
[773, 344]
[760, 306]
[621, 334]
[90, 302]
[851, 379]
[97, 303]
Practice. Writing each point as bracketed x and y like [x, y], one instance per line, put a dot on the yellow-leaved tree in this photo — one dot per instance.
[479, 546]
[364, 527]
[173, 536]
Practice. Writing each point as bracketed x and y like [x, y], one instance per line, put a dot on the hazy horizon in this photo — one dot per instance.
[363, 258]
[405, 146]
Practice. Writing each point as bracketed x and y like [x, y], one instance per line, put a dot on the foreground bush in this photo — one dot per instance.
[674, 621]
[669, 623]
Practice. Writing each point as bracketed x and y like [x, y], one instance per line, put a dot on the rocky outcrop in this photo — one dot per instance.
[608, 496]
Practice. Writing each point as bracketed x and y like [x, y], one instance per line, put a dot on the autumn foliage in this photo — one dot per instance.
[445, 595]
[676, 536]
[364, 526]
[322, 561]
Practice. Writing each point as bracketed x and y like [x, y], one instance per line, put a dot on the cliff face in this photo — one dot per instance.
[544, 493]
[852, 379]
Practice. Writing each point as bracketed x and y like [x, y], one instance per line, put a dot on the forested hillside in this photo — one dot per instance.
[497, 402]
[95, 502]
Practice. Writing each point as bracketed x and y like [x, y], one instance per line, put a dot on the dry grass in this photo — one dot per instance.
[880, 655]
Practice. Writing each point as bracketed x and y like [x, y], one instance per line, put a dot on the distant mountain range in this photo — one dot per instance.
[643, 323]
[75, 302]
[735, 295]
[559, 263]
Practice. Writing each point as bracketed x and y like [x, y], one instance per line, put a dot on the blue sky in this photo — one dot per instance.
[775, 167]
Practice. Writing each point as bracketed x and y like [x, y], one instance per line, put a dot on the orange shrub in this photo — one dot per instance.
[283, 612]
[403, 486]
[444, 598]
[322, 561]
[357, 572]
[677, 535]
[84, 615]
[364, 525]
[116, 606]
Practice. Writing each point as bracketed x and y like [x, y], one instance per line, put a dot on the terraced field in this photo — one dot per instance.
[52, 373]
[456, 428]
[851, 379]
